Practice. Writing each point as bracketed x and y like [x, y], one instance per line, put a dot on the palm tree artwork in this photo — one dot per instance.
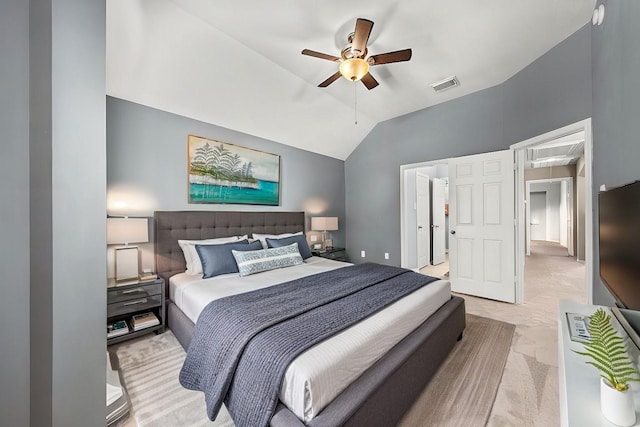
[226, 173]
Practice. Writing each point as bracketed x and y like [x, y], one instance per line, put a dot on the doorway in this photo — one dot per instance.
[563, 157]
[550, 210]
[418, 217]
[481, 229]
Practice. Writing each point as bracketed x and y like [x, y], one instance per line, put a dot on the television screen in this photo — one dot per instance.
[619, 212]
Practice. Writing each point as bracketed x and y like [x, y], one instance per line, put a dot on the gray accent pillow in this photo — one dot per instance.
[303, 246]
[251, 262]
[218, 259]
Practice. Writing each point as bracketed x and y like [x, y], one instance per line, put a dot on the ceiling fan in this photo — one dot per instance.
[354, 63]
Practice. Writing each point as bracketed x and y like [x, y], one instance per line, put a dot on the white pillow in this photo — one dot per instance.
[263, 237]
[194, 266]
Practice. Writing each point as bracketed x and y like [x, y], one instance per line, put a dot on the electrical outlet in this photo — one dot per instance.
[314, 238]
[386, 255]
[362, 254]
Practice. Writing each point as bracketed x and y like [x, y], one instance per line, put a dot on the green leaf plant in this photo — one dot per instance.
[608, 352]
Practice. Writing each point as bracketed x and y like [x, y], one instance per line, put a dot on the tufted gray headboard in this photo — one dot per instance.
[171, 226]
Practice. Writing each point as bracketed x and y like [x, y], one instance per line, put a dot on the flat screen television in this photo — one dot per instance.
[619, 218]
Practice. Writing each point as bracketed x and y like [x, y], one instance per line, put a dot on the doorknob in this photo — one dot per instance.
[419, 227]
[453, 231]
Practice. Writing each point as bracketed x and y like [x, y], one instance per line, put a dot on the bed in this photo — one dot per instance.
[378, 397]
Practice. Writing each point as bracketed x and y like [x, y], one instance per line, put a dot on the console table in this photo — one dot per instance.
[579, 382]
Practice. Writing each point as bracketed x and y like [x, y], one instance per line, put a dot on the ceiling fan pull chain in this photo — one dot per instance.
[355, 101]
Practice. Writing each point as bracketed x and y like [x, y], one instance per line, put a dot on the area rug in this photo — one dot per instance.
[461, 394]
[149, 368]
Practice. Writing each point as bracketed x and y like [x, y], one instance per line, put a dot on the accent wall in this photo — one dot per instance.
[147, 168]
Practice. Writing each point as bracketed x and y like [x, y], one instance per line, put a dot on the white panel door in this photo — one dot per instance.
[538, 202]
[438, 235]
[482, 225]
[423, 219]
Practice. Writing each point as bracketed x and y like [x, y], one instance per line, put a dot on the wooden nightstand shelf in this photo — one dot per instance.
[336, 254]
[126, 300]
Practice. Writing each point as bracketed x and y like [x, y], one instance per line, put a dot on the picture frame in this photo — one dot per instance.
[223, 173]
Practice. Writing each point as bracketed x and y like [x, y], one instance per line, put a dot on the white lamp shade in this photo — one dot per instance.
[324, 223]
[127, 230]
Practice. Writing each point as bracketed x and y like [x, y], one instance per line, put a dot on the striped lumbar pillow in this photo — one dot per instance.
[250, 262]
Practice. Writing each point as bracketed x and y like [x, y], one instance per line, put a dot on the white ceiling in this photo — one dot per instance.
[237, 64]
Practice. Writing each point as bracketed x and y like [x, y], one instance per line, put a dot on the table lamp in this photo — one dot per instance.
[127, 258]
[324, 224]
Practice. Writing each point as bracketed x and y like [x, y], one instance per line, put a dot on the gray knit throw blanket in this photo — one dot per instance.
[242, 344]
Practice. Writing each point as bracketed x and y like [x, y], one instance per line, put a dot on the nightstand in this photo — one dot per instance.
[134, 298]
[336, 254]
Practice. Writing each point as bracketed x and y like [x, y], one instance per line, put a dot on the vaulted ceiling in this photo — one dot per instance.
[237, 64]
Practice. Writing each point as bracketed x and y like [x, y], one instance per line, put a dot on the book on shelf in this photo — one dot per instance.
[144, 320]
[117, 328]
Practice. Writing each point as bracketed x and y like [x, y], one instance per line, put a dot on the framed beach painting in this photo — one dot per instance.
[226, 173]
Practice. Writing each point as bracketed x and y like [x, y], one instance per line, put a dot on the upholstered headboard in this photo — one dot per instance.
[171, 226]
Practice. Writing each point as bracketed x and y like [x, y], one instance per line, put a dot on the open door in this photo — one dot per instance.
[482, 225]
[438, 235]
[423, 220]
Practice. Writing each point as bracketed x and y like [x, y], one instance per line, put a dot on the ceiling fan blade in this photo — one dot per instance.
[361, 36]
[320, 55]
[330, 80]
[387, 58]
[369, 81]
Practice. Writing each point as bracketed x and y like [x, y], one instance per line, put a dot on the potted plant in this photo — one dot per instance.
[608, 353]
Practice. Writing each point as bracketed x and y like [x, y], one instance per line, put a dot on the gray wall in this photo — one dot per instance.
[52, 215]
[147, 168]
[551, 92]
[616, 107]
[14, 212]
[78, 212]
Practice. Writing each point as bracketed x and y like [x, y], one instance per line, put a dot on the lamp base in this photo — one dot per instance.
[127, 263]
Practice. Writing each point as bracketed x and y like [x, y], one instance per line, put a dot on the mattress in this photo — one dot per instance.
[322, 372]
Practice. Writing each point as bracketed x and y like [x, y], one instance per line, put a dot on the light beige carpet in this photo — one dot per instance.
[461, 393]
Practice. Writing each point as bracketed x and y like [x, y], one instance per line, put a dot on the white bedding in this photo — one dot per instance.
[319, 374]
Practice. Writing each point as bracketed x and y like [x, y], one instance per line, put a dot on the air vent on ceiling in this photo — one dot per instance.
[445, 84]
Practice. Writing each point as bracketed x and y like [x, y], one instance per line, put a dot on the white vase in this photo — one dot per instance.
[617, 406]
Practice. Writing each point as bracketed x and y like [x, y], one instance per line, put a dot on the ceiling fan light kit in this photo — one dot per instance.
[354, 63]
[354, 69]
